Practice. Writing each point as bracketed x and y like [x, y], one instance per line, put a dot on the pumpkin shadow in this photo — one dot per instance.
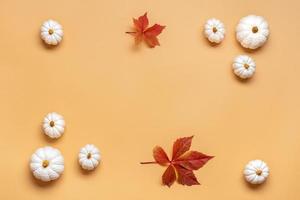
[41, 184]
[254, 186]
[249, 51]
[86, 172]
[51, 140]
[207, 42]
[241, 80]
[47, 46]
[47, 138]
[211, 44]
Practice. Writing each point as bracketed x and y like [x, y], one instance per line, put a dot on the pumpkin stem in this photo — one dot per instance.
[89, 155]
[214, 29]
[254, 29]
[258, 172]
[246, 66]
[50, 31]
[52, 124]
[45, 163]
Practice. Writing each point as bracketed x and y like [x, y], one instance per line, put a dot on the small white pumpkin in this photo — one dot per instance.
[244, 66]
[47, 164]
[252, 31]
[89, 157]
[52, 32]
[54, 125]
[214, 30]
[256, 172]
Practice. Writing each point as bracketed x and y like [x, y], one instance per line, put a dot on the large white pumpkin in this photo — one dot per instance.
[252, 31]
[256, 172]
[244, 66]
[89, 157]
[47, 164]
[54, 125]
[51, 32]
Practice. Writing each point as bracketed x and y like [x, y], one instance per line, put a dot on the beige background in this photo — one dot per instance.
[126, 100]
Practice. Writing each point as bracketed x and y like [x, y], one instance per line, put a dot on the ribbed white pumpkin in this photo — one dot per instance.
[244, 66]
[256, 172]
[54, 125]
[89, 157]
[252, 31]
[214, 30]
[52, 32]
[47, 164]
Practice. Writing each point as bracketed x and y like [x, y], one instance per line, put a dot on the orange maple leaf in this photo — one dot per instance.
[142, 32]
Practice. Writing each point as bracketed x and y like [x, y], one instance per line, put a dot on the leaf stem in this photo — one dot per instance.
[151, 162]
[130, 32]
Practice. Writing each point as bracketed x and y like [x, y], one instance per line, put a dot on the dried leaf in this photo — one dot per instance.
[169, 176]
[186, 177]
[160, 156]
[182, 164]
[193, 160]
[181, 146]
[142, 32]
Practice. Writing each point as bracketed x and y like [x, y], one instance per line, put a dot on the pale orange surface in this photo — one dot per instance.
[126, 100]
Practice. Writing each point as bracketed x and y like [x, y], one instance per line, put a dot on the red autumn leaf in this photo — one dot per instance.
[142, 32]
[160, 156]
[185, 176]
[181, 146]
[193, 160]
[182, 164]
[169, 176]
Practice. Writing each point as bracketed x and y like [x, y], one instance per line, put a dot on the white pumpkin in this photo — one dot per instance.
[214, 30]
[89, 157]
[244, 66]
[54, 125]
[256, 172]
[47, 164]
[252, 31]
[52, 32]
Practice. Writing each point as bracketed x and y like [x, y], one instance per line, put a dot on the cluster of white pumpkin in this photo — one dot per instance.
[47, 163]
[252, 32]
